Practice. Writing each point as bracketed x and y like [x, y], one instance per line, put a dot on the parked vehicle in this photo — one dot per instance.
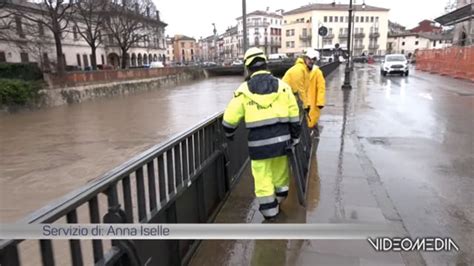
[156, 64]
[237, 62]
[394, 63]
[277, 57]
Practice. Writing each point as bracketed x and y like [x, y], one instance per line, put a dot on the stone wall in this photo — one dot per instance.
[99, 86]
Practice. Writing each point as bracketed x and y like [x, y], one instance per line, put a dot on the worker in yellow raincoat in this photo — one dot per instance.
[316, 96]
[270, 112]
[298, 77]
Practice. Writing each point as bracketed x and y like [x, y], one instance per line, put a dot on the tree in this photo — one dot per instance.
[5, 19]
[88, 22]
[54, 15]
[127, 22]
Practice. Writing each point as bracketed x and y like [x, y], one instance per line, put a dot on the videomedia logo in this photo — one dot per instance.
[416, 244]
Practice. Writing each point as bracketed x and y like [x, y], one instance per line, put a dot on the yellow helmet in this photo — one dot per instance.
[253, 53]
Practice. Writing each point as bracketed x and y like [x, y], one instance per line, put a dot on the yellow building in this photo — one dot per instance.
[300, 28]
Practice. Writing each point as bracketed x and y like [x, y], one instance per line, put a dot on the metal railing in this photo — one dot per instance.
[184, 180]
[328, 36]
[359, 35]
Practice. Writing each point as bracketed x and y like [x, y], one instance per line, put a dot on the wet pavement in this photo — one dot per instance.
[47, 153]
[394, 150]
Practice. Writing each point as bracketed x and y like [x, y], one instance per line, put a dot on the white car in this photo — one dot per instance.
[156, 64]
[394, 63]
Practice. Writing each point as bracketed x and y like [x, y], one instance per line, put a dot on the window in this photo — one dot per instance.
[3, 58]
[74, 32]
[341, 19]
[330, 18]
[434, 43]
[305, 32]
[403, 43]
[40, 29]
[361, 19]
[19, 27]
[78, 57]
[287, 44]
[24, 57]
[325, 19]
[336, 19]
[416, 43]
[357, 19]
[366, 18]
[102, 59]
[85, 59]
[287, 33]
[371, 19]
[376, 19]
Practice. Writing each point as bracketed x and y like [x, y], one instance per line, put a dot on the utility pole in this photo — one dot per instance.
[244, 24]
[347, 72]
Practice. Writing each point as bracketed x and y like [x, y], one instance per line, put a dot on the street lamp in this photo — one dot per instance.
[347, 71]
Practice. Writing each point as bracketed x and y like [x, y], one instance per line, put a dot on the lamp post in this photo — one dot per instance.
[215, 42]
[244, 26]
[347, 71]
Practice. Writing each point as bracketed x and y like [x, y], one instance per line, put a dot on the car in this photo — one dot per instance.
[277, 57]
[360, 59]
[237, 62]
[394, 63]
[156, 64]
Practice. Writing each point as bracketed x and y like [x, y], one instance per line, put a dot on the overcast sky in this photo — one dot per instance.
[195, 17]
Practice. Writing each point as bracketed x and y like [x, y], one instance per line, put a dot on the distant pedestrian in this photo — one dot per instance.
[270, 111]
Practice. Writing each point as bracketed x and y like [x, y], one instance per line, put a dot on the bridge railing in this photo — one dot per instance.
[184, 180]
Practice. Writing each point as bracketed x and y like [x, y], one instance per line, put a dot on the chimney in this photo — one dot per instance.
[157, 15]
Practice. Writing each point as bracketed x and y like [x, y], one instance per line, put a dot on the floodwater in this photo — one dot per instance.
[47, 153]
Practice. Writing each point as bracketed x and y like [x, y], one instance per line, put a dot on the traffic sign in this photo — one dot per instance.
[323, 31]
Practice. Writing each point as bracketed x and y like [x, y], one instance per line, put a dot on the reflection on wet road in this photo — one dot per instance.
[48, 153]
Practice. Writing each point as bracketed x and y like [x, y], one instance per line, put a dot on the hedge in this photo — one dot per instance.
[23, 71]
[18, 92]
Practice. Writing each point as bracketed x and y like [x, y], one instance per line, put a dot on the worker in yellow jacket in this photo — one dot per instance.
[316, 96]
[298, 77]
[270, 112]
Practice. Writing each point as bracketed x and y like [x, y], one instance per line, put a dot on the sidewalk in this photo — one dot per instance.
[342, 189]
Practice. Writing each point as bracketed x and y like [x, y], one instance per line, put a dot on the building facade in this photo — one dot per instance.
[462, 20]
[408, 43]
[263, 31]
[369, 33]
[26, 41]
[184, 49]
[231, 43]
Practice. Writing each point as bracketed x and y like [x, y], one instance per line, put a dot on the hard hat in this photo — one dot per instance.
[253, 53]
[311, 53]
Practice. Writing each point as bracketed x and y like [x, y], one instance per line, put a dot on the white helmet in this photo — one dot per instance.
[311, 53]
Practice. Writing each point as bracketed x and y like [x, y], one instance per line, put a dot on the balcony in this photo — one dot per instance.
[305, 38]
[342, 36]
[329, 36]
[275, 43]
[374, 46]
[359, 47]
[258, 24]
[374, 35]
[359, 35]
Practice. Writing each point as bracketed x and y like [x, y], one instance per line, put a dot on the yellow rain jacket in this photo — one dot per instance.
[316, 95]
[298, 79]
[270, 112]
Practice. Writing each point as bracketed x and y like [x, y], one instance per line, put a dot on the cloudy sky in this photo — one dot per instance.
[195, 17]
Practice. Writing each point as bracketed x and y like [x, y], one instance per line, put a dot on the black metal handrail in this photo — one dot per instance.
[183, 180]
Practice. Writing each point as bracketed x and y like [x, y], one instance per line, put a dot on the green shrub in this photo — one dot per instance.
[18, 92]
[23, 71]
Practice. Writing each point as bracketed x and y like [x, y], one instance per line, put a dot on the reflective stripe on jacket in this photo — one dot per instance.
[298, 79]
[270, 112]
[316, 95]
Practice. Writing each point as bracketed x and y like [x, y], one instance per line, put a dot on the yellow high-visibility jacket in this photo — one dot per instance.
[298, 79]
[269, 109]
[316, 95]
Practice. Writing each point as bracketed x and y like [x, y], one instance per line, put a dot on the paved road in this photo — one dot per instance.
[394, 150]
[48, 153]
